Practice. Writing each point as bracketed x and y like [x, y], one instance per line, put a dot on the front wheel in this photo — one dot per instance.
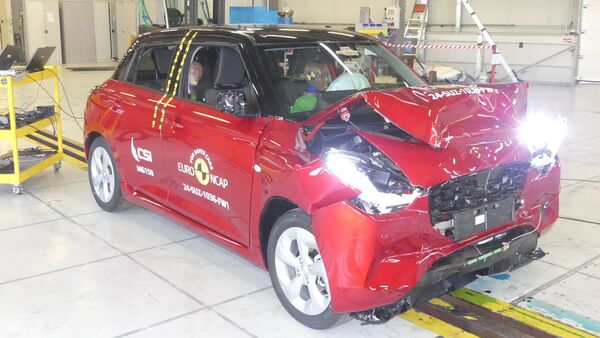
[298, 273]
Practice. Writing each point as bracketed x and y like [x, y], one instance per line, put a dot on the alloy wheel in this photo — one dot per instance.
[301, 272]
[103, 174]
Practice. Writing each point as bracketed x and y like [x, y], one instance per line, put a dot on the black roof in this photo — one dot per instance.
[263, 34]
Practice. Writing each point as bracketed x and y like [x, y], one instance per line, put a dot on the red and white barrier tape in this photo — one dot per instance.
[439, 46]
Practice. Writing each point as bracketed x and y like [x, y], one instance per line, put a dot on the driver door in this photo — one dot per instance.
[209, 151]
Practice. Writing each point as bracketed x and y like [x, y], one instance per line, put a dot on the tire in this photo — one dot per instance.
[291, 232]
[103, 174]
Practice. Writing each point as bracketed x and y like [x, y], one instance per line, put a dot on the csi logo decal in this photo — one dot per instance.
[140, 154]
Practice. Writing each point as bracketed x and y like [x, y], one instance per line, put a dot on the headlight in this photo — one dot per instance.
[543, 137]
[383, 188]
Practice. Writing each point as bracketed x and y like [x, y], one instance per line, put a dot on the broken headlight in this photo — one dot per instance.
[383, 187]
[543, 137]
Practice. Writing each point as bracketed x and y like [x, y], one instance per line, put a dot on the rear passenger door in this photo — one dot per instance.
[133, 103]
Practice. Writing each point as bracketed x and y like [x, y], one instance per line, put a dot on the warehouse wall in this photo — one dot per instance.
[519, 50]
[506, 12]
[5, 24]
[345, 12]
[155, 8]
[526, 31]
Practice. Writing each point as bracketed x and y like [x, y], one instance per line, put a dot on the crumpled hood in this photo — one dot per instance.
[453, 116]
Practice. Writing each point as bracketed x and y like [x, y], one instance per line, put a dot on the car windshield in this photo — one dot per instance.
[310, 77]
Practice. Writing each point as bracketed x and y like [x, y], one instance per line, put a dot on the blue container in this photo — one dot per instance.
[249, 14]
[285, 20]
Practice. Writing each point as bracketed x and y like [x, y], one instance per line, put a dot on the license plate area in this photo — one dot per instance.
[465, 223]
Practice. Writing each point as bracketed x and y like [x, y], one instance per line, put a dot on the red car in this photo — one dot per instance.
[320, 156]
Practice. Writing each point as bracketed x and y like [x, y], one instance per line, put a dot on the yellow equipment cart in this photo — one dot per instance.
[20, 173]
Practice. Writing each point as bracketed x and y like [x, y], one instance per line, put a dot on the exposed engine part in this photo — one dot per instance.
[335, 132]
[477, 202]
[384, 187]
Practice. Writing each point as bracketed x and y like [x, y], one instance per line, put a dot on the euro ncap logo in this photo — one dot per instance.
[202, 171]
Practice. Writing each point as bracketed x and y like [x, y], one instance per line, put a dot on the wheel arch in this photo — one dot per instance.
[274, 208]
[90, 139]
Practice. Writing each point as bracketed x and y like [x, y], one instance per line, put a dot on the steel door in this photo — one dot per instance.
[589, 48]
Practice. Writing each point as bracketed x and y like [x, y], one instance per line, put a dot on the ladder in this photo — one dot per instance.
[497, 57]
[415, 27]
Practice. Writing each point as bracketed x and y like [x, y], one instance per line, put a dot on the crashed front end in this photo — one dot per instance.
[453, 194]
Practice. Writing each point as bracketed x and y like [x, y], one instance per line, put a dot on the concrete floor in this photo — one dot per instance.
[69, 269]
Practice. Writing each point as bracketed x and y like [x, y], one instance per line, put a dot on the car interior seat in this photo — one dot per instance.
[162, 63]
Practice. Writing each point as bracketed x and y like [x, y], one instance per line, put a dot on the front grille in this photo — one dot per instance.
[476, 190]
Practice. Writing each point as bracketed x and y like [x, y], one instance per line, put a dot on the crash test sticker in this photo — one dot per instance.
[201, 168]
[479, 219]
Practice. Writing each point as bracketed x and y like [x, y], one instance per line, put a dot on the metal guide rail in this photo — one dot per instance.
[73, 151]
[467, 313]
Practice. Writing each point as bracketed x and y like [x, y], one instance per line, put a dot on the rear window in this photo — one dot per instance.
[150, 68]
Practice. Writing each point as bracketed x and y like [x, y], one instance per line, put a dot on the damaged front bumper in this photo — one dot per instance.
[503, 252]
[386, 263]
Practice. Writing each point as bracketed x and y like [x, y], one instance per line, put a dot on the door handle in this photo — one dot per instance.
[116, 109]
[174, 124]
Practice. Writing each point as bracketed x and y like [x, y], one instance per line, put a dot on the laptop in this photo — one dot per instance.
[8, 56]
[39, 59]
[36, 64]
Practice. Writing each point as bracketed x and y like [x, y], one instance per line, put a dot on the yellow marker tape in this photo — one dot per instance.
[524, 316]
[441, 303]
[173, 67]
[186, 45]
[174, 92]
[162, 117]
[435, 325]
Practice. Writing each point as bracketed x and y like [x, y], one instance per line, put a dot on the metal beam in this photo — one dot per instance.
[458, 15]
[497, 56]
[167, 25]
[191, 13]
[219, 12]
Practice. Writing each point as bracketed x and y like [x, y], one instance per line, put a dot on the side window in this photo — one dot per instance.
[216, 76]
[152, 68]
[124, 66]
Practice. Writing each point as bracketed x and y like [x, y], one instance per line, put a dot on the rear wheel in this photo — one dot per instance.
[298, 273]
[104, 177]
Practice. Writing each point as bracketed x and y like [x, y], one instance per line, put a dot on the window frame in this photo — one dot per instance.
[134, 62]
[262, 47]
[185, 73]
